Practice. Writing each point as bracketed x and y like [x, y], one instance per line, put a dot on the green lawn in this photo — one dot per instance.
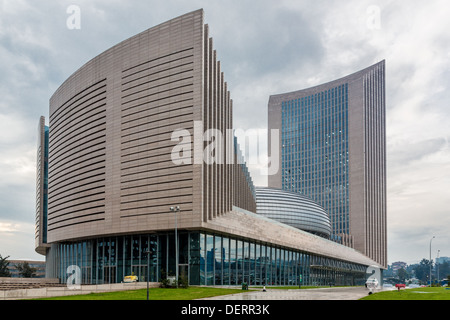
[190, 293]
[411, 294]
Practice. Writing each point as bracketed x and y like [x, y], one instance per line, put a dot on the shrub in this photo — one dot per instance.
[165, 283]
[183, 282]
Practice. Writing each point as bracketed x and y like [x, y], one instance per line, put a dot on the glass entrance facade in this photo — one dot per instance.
[231, 261]
[205, 259]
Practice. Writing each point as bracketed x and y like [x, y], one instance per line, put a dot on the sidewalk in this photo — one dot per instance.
[64, 291]
[335, 293]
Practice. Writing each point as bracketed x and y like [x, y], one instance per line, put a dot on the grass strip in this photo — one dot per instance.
[190, 293]
[426, 293]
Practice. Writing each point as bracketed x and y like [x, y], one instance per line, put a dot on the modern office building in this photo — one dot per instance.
[41, 245]
[37, 266]
[114, 126]
[332, 148]
[398, 265]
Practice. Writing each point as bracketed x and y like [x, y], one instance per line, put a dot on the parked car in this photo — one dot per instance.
[130, 279]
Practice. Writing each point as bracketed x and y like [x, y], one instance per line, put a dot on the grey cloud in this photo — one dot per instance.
[273, 41]
[408, 152]
[17, 203]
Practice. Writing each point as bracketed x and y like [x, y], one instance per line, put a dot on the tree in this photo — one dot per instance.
[25, 270]
[4, 263]
[402, 275]
[422, 270]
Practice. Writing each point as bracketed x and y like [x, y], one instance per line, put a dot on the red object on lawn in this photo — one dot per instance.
[399, 286]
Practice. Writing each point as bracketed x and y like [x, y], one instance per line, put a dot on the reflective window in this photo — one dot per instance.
[211, 260]
[195, 265]
[203, 258]
[219, 257]
[315, 151]
[226, 260]
[240, 261]
[233, 262]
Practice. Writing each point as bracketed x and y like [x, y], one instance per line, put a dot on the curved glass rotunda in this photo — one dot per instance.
[293, 209]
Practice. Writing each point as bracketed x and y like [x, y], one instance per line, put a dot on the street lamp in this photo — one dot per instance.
[176, 209]
[148, 272]
[431, 264]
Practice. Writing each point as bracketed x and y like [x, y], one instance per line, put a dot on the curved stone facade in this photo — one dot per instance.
[111, 125]
[293, 209]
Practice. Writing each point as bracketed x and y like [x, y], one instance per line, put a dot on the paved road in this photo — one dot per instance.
[346, 293]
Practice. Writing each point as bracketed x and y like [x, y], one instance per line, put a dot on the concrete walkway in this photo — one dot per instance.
[335, 293]
[64, 291]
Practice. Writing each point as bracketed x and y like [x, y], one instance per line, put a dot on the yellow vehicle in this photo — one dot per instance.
[130, 279]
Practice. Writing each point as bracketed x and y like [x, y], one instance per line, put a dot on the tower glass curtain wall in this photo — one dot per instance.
[41, 188]
[333, 150]
[314, 162]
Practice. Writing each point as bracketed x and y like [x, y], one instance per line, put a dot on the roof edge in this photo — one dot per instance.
[350, 77]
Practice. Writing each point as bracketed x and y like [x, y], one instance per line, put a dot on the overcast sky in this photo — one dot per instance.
[265, 47]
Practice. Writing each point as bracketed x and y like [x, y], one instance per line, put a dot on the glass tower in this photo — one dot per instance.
[332, 149]
[42, 188]
[314, 155]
